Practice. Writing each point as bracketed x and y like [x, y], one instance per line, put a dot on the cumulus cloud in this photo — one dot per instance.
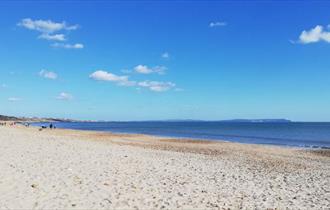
[45, 26]
[48, 74]
[143, 69]
[14, 99]
[101, 75]
[217, 24]
[156, 86]
[54, 37]
[64, 96]
[68, 46]
[316, 34]
[107, 76]
[165, 55]
[51, 31]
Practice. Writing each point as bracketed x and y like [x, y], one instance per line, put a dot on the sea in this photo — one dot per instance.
[291, 134]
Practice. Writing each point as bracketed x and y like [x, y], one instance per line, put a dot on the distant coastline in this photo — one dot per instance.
[38, 119]
[236, 120]
[35, 119]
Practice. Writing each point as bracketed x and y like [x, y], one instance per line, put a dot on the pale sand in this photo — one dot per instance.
[88, 170]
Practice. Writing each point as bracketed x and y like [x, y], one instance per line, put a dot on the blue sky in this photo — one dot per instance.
[164, 60]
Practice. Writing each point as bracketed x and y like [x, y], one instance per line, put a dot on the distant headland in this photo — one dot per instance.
[38, 119]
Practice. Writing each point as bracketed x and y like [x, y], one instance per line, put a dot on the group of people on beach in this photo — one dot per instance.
[14, 123]
[5, 123]
[51, 126]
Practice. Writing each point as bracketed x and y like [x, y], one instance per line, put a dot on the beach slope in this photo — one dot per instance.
[64, 169]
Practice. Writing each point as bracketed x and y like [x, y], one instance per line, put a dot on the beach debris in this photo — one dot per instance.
[34, 185]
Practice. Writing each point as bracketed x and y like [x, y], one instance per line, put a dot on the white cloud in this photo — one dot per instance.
[106, 76]
[68, 46]
[127, 83]
[165, 55]
[54, 37]
[157, 86]
[101, 75]
[143, 69]
[64, 96]
[314, 35]
[14, 99]
[45, 26]
[48, 74]
[51, 31]
[217, 24]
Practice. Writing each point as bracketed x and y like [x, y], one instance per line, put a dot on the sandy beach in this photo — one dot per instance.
[65, 169]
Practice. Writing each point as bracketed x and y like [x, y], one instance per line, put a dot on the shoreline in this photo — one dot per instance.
[143, 138]
[111, 134]
[311, 147]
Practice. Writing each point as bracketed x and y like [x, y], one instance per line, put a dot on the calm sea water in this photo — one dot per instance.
[286, 134]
